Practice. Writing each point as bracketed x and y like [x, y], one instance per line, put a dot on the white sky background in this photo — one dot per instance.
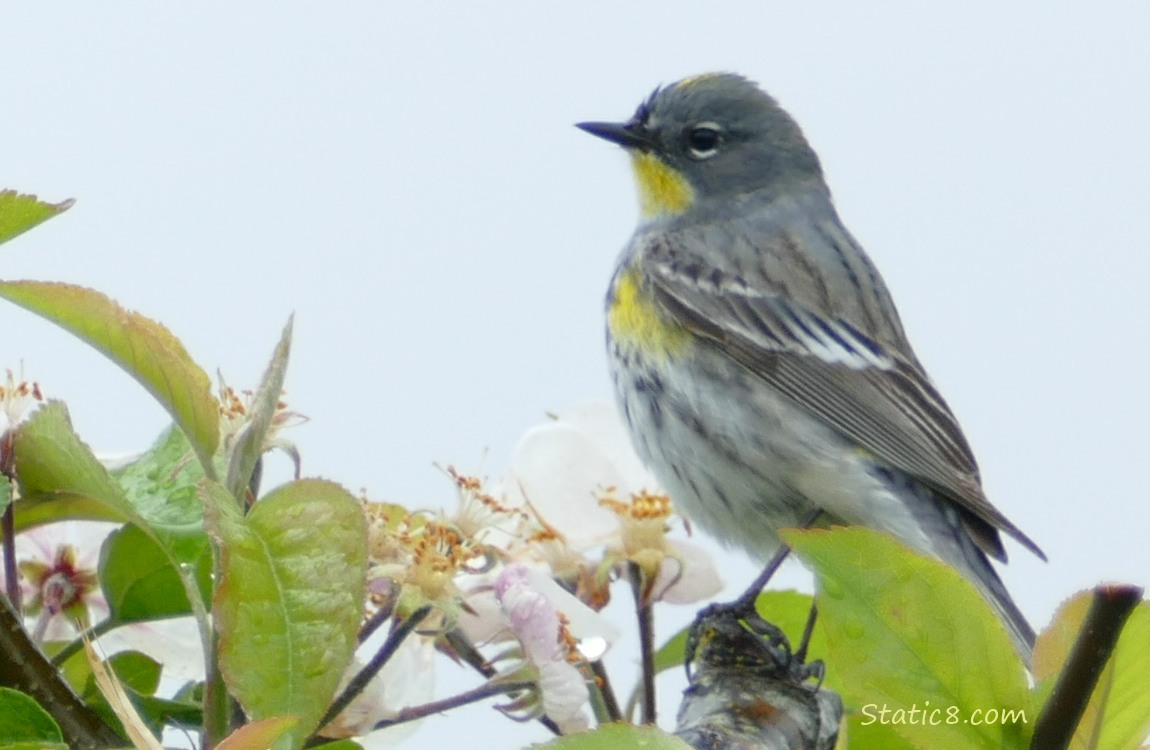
[407, 180]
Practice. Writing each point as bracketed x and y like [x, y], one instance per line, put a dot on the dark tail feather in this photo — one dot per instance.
[983, 575]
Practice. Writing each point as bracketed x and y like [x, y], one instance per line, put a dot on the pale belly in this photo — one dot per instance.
[742, 461]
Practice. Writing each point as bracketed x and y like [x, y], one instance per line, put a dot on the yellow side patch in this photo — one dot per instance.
[662, 190]
[635, 321]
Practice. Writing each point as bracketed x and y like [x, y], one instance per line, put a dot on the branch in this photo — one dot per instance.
[643, 611]
[1109, 610]
[24, 668]
[485, 690]
[394, 639]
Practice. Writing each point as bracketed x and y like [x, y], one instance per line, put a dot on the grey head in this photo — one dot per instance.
[721, 132]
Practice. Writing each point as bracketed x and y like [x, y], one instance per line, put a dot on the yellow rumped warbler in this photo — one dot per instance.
[756, 353]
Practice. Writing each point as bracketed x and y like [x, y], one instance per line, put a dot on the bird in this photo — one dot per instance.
[757, 356]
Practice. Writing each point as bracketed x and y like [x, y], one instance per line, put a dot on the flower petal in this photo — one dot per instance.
[600, 421]
[558, 469]
[687, 576]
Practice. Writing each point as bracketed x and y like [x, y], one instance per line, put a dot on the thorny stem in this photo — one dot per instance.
[485, 690]
[394, 639]
[643, 611]
[606, 692]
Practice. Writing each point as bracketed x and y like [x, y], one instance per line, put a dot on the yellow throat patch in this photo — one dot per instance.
[635, 321]
[662, 190]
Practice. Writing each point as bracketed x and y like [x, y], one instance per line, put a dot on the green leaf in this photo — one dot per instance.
[160, 712]
[290, 596]
[22, 720]
[142, 347]
[157, 493]
[672, 653]
[252, 439]
[139, 675]
[137, 672]
[139, 580]
[5, 493]
[786, 610]
[259, 735]
[19, 213]
[615, 736]
[54, 466]
[1118, 715]
[909, 634]
[865, 732]
[161, 485]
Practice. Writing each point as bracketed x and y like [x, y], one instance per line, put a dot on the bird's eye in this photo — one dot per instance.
[703, 140]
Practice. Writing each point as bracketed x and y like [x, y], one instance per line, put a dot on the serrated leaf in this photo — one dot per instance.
[161, 485]
[1118, 715]
[259, 735]
[23, 720]
[290, 595]
[53, 465]
[908, 633]
[19, 213]
[145, 349]
[615, 736]
[251, 441]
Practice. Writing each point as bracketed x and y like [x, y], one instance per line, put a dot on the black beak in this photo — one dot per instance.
[629, 134]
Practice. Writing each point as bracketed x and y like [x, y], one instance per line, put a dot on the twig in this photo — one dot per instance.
[23, 667]
[394, 639]
[808, 631]
[382, 615]
[469, 654]
[11, 572]
[8, 520]
[93, 633]
[643, 611]
[1108, 612]
[606, 691]
[462, 648]
[485, 690]
[217, 702]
